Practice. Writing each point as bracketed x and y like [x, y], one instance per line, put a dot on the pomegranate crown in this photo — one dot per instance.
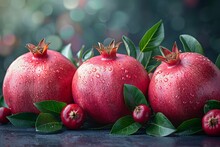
[171, 58]
[108, 51]
[40, 49]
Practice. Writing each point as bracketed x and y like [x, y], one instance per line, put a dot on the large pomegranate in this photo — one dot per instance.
[182, 83]
[98, 83]
[39, 75]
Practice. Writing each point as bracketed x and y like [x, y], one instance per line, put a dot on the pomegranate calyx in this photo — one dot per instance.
[39, 50]
[169, 57]
[108, 52]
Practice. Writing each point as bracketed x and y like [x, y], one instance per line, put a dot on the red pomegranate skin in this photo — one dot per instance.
[98, 85]
[34, 78]
[180, 91]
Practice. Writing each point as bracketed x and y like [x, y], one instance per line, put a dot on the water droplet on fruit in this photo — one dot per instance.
[110, 68]
[89, 72]
[159, 72]
[103, 81]
[184, 102]
[97, 75]
[160, 87]
[123, 78]
[165, 80]
[128, 76]
[126, 71]
[94, 69]
[190, 102]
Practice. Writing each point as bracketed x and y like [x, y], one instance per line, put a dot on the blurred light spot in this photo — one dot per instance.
[104, 16]
[177, 23]
[100, 28]
[70, 4]
[47, 9]
[55, 42]
[66, 32]
[93, 6]
[41, 33]
[18, 4]
[175, 9]
[9, 39]
[191, 3]
[38, 17]
[4, 3]
[119, 20]
[77, 15]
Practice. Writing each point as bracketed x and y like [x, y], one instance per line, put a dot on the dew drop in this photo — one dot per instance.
[94, 69]
[184, 102]
[123, 78]
[110, 68]
[126, 71]
[165, 80]
[97, 75]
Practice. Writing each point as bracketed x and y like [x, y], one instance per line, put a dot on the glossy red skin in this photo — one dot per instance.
[32, 79]
[180, 91]
[4, 112]
[141, 114]
[211, 130]
[98, 86]
[69, 122]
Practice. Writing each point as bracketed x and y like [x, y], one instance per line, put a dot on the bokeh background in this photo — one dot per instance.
[86, 22]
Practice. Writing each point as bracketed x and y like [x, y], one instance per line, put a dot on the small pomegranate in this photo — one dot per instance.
[98, 83]
[72, 116]
[39, 75]
[4, 112]
[211, 122]
[182, 84]
[141, 114]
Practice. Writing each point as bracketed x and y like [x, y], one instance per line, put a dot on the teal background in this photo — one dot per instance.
[86, 22]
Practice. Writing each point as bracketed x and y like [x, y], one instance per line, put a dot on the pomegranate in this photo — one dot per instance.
[182, 83]
[39, 75]
[141, 114]
[4, 112]
[211, 122]
[98, 83]
[72, 116]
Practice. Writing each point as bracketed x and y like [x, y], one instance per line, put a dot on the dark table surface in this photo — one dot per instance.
[12, 136]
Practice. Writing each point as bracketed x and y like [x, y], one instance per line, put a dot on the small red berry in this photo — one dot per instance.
[141, 113]
[211, 122]
[4, 112]
[72, 116]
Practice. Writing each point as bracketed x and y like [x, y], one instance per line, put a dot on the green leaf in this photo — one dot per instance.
[160, 126]
[190, 44]
[125, 126]
[152, 67]
[152, 38]
[2, 102]
[211, 104]
[133, 96]
[80, 52]
[47, 123]
[217, 62]
[87, 54]
[129, 46]
[23, 119]
[50, 106]
[189, 127]
[146, 58]
[67, 52]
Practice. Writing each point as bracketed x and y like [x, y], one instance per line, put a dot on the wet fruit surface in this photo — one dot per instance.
[35, 77]
[98, 85]
[181, 89]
